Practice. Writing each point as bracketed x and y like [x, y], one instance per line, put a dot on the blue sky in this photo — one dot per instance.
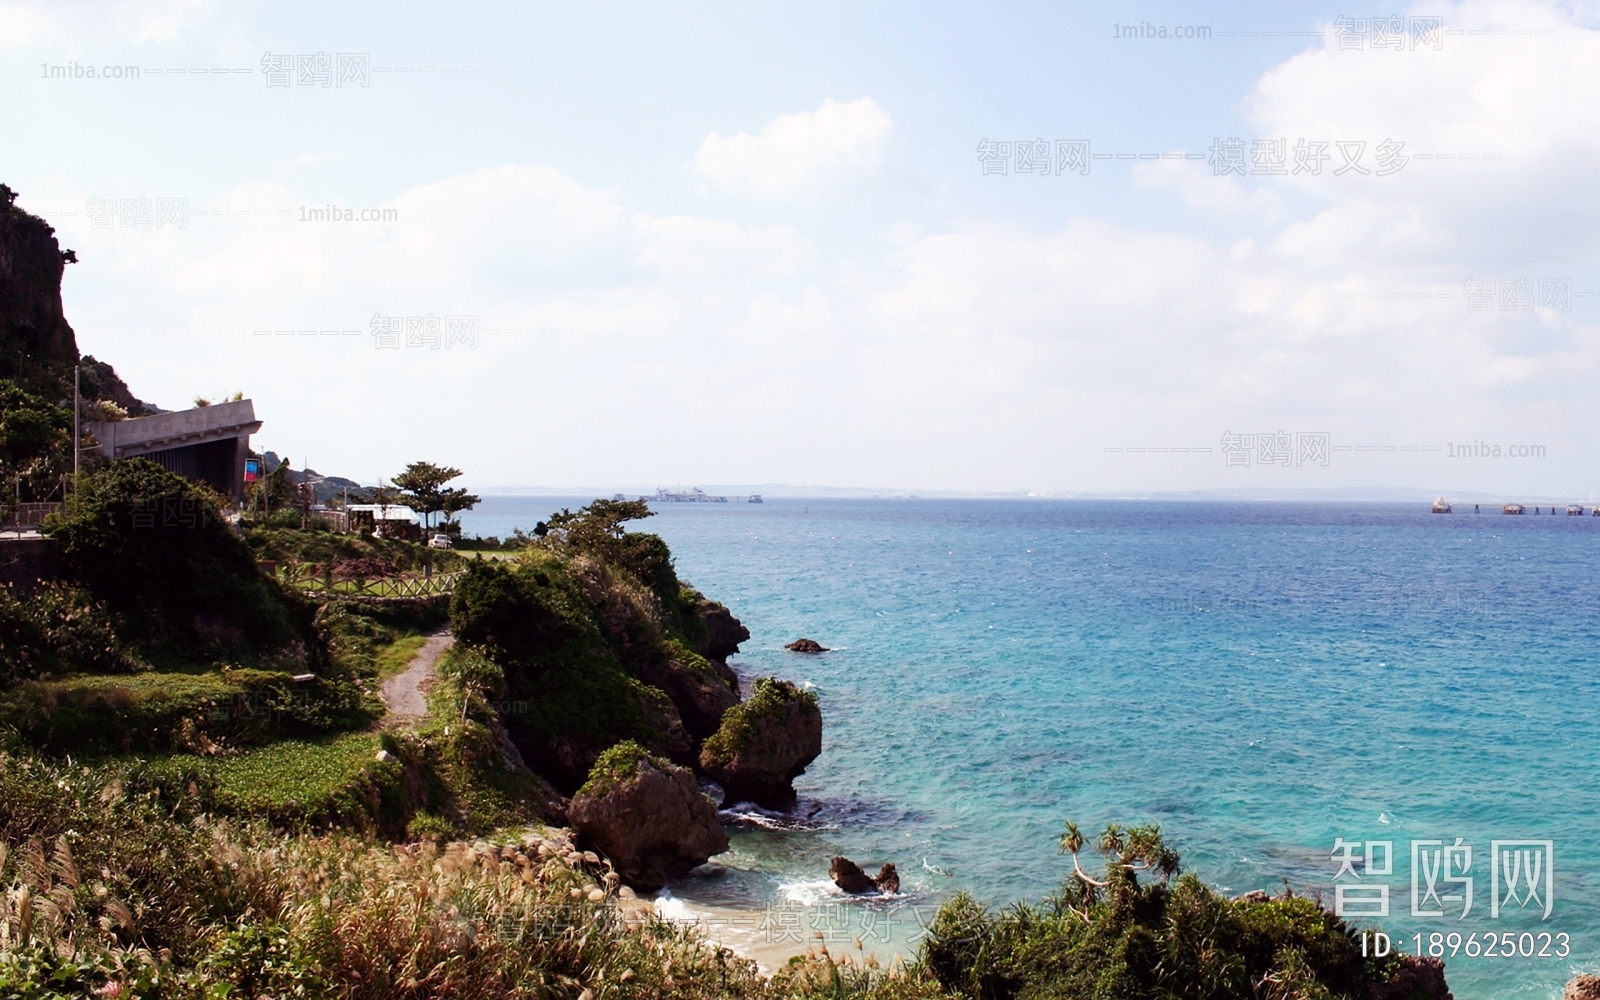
[755, 243]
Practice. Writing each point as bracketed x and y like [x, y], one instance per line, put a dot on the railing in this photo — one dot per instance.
[380, 587]
[34, 513]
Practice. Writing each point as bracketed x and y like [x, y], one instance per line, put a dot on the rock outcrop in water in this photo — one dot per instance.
[647, 816]
[847, 875]
[1582, 987]
[806, 646]
[764, 744]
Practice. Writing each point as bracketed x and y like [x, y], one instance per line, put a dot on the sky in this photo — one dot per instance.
[1099, 247]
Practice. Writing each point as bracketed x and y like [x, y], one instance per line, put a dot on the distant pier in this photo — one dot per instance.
[1443, 506]
[694, 495]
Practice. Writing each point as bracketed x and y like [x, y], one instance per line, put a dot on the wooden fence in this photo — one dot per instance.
[380, 587]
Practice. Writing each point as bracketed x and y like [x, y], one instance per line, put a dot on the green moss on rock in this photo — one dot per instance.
[617, 765]
[772, 699]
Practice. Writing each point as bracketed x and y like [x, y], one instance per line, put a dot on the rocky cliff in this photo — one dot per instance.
[37, 345]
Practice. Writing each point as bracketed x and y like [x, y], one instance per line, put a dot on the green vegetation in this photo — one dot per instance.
[423, 489]
[148, 892]
[617, 765]
[182, 585]
[1140, 930]
[572, 622]
[55, 630]
[294, 784]
[771, 699]
[35, 443]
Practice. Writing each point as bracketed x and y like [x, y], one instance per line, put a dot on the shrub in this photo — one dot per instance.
[1139, 929]
[57, 630]
[153, 546]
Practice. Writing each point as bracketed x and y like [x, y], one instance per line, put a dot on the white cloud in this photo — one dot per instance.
[1203, 190]
[797, 154]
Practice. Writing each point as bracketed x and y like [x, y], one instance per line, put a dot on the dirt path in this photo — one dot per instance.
[403, 692]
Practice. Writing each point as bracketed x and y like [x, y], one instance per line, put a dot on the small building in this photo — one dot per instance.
[207, 444]
[385, 520]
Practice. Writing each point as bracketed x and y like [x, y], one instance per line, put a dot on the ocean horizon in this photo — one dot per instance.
[1264, 680]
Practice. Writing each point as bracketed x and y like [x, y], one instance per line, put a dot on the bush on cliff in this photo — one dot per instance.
[154, 547]
[1141, 930]
[575, 696]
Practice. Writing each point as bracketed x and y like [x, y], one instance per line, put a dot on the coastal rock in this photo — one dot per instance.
[696, 688]
[847, 875]
[722, 638]
[1418, 978]
[723, 631]
[806, 646]
[1253, 896]
[888, 879]
[765, 743]
[647, 816]
[1582, 987]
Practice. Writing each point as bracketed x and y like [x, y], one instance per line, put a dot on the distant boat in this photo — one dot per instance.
[1574, 510]
[755, 498]
[1440, 506]
[1512, 508]
[695, 495]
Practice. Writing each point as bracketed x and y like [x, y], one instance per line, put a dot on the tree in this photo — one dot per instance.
[423, 486]
[35, 441]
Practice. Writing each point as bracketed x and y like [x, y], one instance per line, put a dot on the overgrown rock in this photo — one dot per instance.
[566, 758]
[1418, 978]
[647, 816]
[765, 743]
[692, 682]
[806, 646]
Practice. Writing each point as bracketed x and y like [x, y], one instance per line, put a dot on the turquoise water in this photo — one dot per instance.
[1260, 679]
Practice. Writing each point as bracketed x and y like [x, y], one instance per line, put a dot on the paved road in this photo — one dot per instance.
[403, 692]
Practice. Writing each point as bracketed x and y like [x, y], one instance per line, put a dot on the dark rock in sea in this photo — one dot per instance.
[765, 743]
[1582, 987]
[806, 646]
[888, 879]
[647, 816]
[1418, 978]
[697, 689]
[1253, 896]
[847, 875]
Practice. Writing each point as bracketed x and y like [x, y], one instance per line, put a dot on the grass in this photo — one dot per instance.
[396, 656]
[297, 783]
[175, 710]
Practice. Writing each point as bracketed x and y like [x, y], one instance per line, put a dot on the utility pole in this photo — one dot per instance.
[77, 433]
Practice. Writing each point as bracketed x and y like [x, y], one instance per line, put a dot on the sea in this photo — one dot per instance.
[1393, 711]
